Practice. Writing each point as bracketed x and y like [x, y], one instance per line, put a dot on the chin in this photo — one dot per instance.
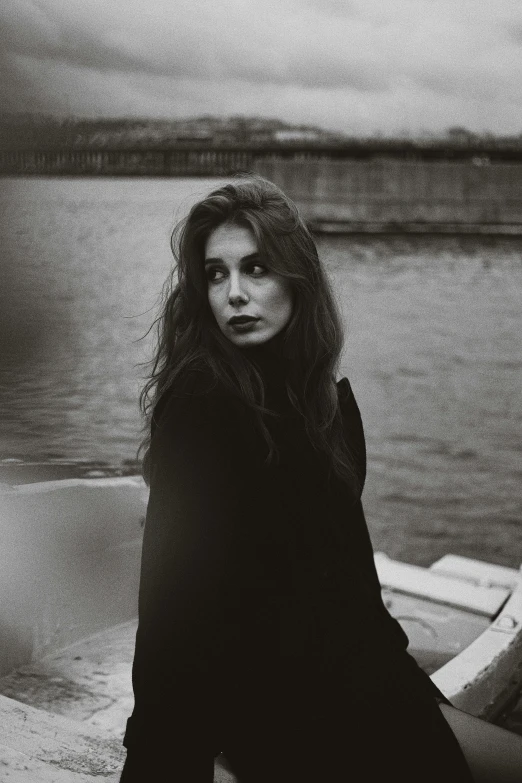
[249, 339]
[255, 337]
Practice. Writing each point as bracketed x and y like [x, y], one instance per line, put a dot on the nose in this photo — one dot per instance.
[236, 293]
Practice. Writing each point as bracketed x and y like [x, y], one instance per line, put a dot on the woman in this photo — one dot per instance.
[262, 633]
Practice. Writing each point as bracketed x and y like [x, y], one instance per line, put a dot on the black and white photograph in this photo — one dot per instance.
[260, 391]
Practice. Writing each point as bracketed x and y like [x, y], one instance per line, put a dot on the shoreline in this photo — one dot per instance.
[15, 471]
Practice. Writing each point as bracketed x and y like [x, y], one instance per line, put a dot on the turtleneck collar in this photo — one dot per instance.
[269, 357]
[270, 360]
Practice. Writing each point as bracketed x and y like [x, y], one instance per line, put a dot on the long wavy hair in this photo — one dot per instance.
[189, 337]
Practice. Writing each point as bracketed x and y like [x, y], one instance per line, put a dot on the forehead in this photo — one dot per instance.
[230, 242]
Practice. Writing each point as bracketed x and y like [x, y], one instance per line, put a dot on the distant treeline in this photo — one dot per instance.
[27, 130]
[37, 132]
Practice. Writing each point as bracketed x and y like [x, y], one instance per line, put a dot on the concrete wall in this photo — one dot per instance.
[69, 562]
[387, 192]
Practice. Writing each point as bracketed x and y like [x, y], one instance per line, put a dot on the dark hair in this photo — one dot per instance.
[188, 335]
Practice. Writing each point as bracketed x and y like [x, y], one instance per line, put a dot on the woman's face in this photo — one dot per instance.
[250, 302]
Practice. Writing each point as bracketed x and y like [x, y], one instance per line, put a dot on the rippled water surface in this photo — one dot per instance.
[433, 353]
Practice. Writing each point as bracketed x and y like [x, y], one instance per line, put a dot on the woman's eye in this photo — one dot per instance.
[214, 275]
[256, 270]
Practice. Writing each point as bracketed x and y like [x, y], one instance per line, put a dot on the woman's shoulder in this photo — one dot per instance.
[347, 401]
[344, 389]
[195, 394]
[200, 425]
[193, 382]
[352, 425]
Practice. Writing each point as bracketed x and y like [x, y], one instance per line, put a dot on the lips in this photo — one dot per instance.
[242, 319]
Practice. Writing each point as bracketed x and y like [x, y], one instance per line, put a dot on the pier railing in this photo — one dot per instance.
[204, 159]
[177, 161]
[364, 186]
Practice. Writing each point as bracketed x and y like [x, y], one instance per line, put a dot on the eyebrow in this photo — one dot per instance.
[251, 257]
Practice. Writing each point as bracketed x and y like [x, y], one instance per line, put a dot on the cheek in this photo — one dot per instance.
[281, 300]
[214, 302]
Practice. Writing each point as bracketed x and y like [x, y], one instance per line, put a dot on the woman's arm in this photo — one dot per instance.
[198, 487]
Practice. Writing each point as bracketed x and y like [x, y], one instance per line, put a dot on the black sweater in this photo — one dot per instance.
[262, 632]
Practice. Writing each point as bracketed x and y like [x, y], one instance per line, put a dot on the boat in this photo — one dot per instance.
[69, 575]
[463, 618]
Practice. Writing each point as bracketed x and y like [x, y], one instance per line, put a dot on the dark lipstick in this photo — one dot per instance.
[242, 323]
[241, 319]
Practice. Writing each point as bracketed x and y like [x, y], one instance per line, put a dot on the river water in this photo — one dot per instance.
[433, 328]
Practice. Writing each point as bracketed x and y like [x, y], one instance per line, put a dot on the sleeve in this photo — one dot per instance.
[184, 637]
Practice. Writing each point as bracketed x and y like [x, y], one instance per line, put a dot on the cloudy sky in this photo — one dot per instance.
[359, 66]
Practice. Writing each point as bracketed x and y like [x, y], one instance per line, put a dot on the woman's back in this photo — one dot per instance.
[272, 625]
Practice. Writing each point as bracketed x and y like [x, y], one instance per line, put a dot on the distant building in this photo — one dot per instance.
[297, 134]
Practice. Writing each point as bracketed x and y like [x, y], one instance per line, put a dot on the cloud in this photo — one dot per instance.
[377, 59]
[514, 32]
[201, 45]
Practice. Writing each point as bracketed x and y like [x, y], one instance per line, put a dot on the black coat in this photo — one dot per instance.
[262, 632]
